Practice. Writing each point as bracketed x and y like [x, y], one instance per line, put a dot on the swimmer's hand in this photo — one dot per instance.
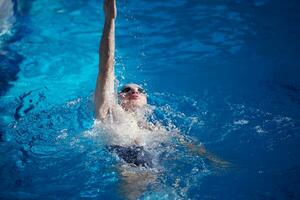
[110, 9]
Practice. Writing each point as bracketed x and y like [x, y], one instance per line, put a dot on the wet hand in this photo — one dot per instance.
[110, 9]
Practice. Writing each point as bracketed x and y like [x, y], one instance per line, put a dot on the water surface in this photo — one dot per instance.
[224, 73]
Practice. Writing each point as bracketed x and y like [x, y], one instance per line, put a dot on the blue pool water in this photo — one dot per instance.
[223, 73]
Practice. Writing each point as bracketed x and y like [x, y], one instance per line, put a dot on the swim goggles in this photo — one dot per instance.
[130, 89]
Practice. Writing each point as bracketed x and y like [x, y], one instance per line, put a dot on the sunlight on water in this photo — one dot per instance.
[7, 18]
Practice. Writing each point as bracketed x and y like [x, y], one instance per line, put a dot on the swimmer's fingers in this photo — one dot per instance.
[110, 9]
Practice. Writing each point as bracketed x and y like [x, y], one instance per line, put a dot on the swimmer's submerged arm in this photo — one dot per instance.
[104, 94]
[201, 151]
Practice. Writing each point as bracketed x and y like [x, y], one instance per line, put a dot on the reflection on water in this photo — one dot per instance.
[7, 17]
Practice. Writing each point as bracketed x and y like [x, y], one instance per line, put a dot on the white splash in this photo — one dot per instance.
[129, 129]
[241, 122]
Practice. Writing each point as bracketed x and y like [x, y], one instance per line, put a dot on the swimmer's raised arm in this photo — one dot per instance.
[104, 94]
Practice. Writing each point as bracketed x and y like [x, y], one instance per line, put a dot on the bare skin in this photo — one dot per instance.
[104, 94]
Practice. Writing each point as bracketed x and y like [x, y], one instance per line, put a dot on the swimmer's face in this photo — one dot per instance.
[132, 96]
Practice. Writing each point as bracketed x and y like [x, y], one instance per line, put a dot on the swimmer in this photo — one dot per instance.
[130, 102]
[132, 98]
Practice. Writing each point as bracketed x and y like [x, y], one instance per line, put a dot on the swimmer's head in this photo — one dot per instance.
[132, 96]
